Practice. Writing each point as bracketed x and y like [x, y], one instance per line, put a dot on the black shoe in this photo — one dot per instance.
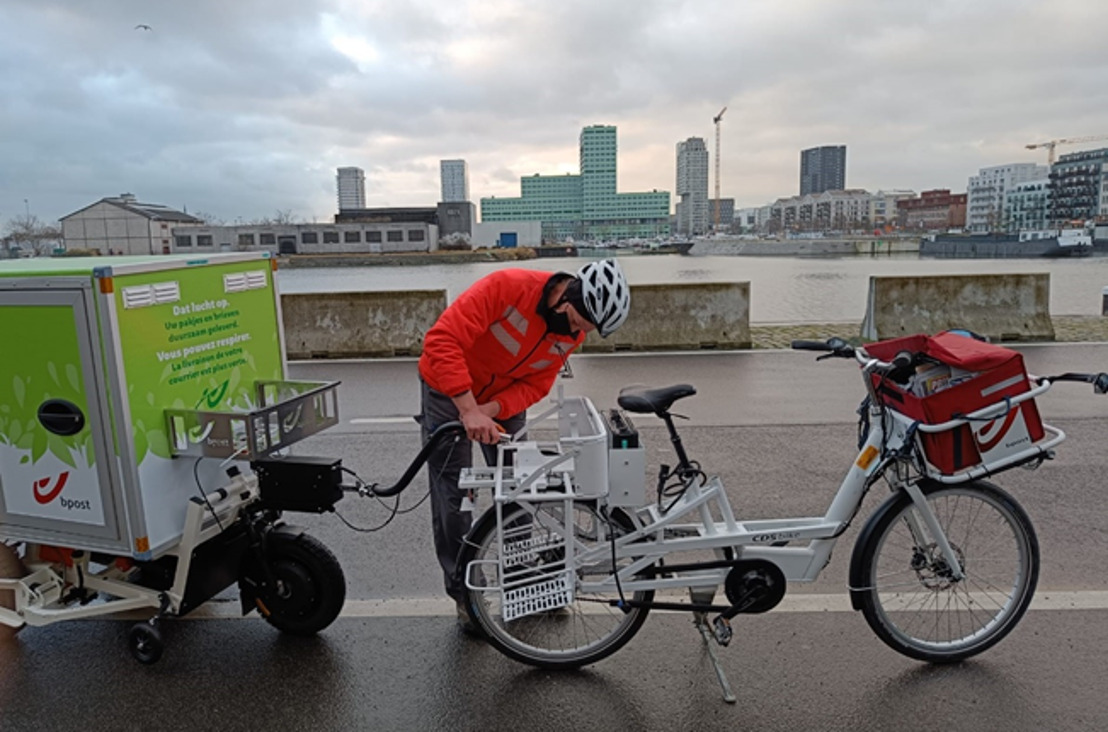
[466, 623]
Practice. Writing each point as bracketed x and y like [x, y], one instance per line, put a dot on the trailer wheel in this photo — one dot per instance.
[145, 642]
[310, 587]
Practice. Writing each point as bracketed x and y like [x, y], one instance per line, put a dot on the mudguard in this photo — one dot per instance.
[856, 578]
[250, 568]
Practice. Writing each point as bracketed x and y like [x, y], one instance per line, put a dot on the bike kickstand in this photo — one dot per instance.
[701, 622]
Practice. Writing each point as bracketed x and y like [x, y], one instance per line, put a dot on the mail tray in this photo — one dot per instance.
[1000, 375]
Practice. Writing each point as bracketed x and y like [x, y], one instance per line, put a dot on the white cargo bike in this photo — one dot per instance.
[564, 566]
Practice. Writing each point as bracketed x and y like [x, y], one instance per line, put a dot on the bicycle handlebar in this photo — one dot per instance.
[1099, 381]
[839, 348]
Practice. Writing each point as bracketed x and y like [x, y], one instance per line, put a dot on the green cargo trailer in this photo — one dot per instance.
[133, 391]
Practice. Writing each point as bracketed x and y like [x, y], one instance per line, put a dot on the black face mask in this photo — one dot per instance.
[559, 323]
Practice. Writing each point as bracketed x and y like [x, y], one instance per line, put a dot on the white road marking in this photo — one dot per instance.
[795, 603]
[383, 420]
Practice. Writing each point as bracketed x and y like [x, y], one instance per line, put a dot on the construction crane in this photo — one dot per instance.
[1064, 141]
[715, 121]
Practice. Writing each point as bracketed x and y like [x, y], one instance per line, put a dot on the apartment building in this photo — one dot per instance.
[986, 194]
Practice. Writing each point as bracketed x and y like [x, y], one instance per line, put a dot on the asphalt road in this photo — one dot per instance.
[779, 429]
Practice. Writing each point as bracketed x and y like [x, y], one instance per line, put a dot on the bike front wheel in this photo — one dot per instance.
[910, 597]
[587, 629]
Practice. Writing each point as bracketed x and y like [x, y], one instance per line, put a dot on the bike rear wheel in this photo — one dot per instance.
[909, 597]
[584, 631]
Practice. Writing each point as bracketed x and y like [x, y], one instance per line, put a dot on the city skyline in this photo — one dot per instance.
[244, 109]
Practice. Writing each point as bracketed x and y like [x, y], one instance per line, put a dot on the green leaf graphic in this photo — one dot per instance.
[73, 375]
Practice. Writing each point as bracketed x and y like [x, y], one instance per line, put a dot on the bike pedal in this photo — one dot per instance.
[722, 631]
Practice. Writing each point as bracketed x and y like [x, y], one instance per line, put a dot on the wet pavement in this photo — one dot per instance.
[779, 430]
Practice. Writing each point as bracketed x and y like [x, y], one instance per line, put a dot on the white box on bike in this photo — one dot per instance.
[627, 477]
[581, 429]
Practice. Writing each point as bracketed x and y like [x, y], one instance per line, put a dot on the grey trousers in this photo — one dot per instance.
[449, 524]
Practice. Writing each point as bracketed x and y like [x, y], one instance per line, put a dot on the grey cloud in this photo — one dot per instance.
[242, 108]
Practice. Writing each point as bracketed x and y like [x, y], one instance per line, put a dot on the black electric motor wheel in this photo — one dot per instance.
[302, 589]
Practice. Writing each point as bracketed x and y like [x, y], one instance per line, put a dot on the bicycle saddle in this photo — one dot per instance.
[643, 400]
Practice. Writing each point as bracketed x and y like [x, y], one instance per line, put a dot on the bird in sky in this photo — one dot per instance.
[143, 26]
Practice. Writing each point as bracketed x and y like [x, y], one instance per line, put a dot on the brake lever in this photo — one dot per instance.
[826, 356]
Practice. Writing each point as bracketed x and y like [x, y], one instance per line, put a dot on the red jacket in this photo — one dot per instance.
[493, 341]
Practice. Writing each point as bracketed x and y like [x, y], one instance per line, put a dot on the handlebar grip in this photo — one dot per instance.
[903, 359]
[801, 345]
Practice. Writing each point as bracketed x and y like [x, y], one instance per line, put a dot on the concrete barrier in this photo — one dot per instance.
[1004, 307]
[359, 324]
[383, 324]
[682, 317]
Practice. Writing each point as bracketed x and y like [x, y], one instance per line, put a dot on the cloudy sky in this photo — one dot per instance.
[243, 108]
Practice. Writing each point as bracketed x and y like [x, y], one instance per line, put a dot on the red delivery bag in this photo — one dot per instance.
[994, 374]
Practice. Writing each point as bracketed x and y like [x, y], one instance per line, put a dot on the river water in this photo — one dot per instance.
[782, 289]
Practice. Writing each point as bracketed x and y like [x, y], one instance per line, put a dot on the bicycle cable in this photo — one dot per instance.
[366, 489]
[203, 496]
[615, 572]
[685, 478]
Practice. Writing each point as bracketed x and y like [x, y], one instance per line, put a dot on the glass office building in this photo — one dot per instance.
[585, 206]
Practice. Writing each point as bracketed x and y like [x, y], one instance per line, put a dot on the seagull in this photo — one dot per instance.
[143, 26]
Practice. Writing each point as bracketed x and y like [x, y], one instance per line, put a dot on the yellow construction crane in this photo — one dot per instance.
[1064, 141]
[715, 121]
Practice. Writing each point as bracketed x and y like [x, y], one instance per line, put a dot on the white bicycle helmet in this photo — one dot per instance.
[606, 294]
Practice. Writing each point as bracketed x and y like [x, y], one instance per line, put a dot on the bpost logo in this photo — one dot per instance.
[210, 399]
[999, 428]
[46, 490]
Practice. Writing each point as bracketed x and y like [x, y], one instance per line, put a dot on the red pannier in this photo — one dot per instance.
[999, 374]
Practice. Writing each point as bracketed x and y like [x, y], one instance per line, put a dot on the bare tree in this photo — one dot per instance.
[284, 217]
[280, 218]
[28, 233]
[210, 219]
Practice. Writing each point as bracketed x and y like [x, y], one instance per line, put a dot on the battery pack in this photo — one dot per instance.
[622, 431]
[305, 484]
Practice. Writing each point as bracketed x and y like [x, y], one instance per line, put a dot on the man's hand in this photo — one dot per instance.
[478, 419]
[480, 427]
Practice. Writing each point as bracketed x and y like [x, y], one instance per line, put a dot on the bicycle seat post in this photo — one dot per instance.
[678, 447]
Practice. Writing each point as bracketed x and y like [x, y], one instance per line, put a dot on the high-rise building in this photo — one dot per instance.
[692, 187]
[351, 188]
[823, 169]
[455, 181]
[587, 205]
[986, 194]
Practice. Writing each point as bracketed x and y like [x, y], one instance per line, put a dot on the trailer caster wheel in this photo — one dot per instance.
[145, 642]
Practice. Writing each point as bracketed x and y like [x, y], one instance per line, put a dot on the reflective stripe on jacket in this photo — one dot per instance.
[492, 340]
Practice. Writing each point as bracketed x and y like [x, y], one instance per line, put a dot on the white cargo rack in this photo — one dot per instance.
[534, 572]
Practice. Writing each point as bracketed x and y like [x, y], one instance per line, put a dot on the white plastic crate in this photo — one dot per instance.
[535, 597]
